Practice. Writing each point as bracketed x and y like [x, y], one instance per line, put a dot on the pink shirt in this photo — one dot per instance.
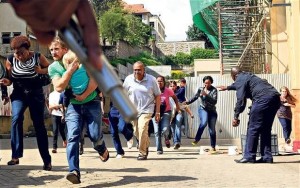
[164, 98]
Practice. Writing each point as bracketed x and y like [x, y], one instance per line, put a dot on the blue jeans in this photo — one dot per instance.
[176, 128]
[117, 123]
[286, 126]
[261, 119]
[161, 128]
[207, 118]
[35, 101]
[91, 113]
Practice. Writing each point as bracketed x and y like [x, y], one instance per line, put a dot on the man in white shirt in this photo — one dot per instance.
[144, 93]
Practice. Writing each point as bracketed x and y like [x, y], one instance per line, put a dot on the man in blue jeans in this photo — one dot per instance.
[85, 106]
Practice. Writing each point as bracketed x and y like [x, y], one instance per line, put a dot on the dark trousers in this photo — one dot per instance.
[35, 101]
[261, 119]
[58, 126]
[286, 126]
[117, 124]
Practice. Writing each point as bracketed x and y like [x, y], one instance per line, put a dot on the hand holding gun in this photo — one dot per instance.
[107, 79]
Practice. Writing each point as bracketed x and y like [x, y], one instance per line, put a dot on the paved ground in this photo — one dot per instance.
[181, 168]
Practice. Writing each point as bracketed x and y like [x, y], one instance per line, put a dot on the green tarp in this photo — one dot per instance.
[197, 6]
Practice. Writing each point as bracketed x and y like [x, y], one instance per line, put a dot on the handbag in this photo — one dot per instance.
[2, 71]
[43, 79]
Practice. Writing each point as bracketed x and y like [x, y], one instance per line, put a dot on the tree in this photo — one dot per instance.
[194, 33]
[137, 33]
[102, 6]
[113, 26]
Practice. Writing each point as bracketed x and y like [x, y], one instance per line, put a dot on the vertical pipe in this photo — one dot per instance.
[220, 38]
[265, 70]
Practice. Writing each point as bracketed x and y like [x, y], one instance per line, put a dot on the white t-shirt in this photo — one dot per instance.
[54, 100]
[142, 93]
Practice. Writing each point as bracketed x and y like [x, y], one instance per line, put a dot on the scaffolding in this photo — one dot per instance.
[241, 29]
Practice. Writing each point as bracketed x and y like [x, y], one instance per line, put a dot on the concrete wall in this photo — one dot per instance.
[171, 48]
[124, 50]
[9, 23]
[285, 27]
[155, 71]
[279, 38]
[207, 66]
[293, 28]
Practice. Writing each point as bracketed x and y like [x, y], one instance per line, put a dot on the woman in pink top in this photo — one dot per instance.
[163, 126]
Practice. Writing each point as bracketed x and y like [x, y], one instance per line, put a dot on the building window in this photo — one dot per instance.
[152, 24]
[16, 34]
[140, 16]
[5, 38]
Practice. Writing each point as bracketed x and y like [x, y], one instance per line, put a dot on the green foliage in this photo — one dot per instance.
[137, 33]
[200, 53]
[113, 26]
[102, 6]
[177, 74]
[194, 33]
[117, 61]
[183, 59]
[144, 57]
[168, 60]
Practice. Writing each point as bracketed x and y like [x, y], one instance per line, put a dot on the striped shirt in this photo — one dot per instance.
[23, 74]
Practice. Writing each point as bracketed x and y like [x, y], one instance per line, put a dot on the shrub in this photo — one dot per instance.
[183, 59]
[145, 57]
[177, 74]
[200, 53]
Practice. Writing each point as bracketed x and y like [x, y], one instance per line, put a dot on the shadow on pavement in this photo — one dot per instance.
[116, 170]
[286, 162]
[17, 176]
[167, 159]
[144, 179]
[14, 178]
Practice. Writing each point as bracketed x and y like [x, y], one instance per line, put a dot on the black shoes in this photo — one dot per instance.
[177, 146]
[261, 160]
[47, 167]
[142, 157]
[243, 160]
[74, 177]
[13, 162]
[80, 149]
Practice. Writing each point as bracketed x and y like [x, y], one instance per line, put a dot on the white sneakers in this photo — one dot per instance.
[119, 156]
[130, 143]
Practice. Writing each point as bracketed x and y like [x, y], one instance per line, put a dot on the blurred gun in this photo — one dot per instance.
[107, 80]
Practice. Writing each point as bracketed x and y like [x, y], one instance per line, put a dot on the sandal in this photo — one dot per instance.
[13, 162]
[104, 156]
